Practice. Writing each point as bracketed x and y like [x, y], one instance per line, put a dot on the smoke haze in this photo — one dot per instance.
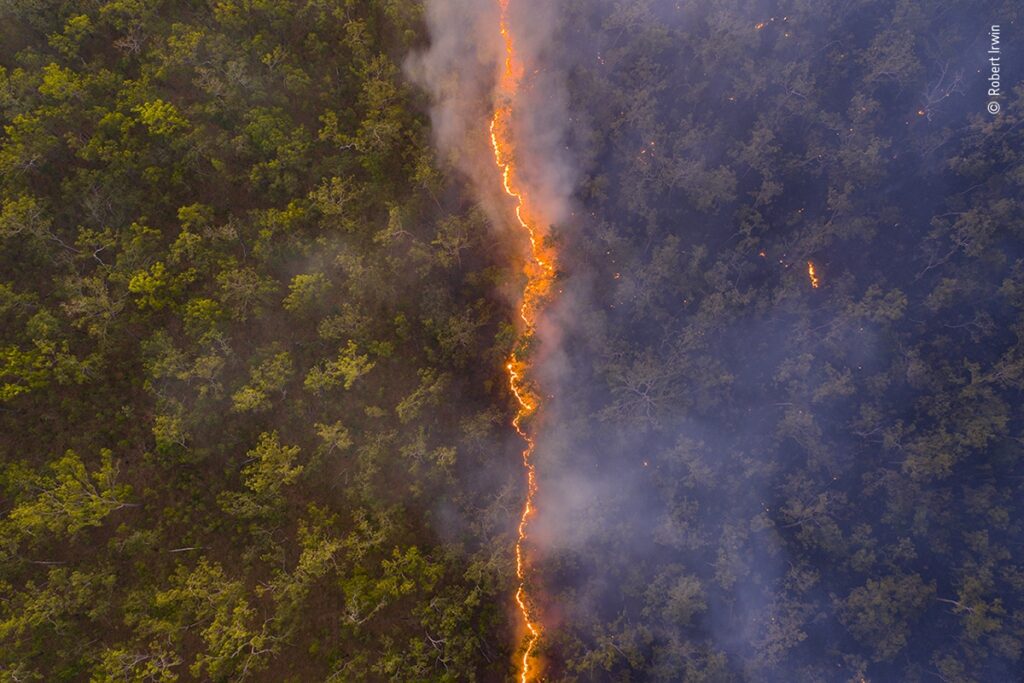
[711, 417]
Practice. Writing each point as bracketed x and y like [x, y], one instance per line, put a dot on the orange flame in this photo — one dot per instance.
[540, 276]
[813, 275]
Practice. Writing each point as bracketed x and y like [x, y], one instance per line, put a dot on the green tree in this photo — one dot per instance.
[71, 497]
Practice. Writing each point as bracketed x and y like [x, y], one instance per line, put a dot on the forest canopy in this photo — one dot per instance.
[238, 298]
[254, 417]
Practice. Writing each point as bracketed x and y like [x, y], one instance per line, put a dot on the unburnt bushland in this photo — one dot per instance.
[247, 353]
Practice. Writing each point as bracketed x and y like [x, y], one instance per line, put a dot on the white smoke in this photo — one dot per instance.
[459, 71]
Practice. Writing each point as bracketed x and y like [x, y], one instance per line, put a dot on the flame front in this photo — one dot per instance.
[540, 276]
[813, 275]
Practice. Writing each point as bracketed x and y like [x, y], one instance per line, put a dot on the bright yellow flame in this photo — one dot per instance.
[540, 277]
[813, 275]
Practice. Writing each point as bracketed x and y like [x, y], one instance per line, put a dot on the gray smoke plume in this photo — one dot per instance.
[459, 71]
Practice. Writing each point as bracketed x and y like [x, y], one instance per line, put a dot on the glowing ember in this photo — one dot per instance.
[540, 276]
[813, 275]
